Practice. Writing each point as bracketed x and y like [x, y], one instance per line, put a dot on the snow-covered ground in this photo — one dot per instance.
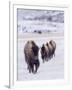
[40, 20]
[53, 69]
[37, 25]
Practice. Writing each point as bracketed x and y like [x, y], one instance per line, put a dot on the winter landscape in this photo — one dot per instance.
[41, 26]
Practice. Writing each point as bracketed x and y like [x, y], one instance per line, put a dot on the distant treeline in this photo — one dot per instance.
[52, 18]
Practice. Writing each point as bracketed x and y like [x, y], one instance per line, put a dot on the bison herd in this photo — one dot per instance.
[31, 51]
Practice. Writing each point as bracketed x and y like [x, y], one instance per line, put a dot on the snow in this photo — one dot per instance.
[37, 25]
[40, 20]
[53, 69]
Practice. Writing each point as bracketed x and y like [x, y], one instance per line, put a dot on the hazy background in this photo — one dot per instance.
[40, 21]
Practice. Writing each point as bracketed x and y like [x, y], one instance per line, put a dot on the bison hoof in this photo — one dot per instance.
[34, 71]
[29, 71]
[43, 61]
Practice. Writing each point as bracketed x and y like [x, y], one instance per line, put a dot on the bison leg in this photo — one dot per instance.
[37, 63]
[26, 60]
[29, 69]
[54, 54]
[34, 64]
[47, 59]
[31, 66]
[43, 60]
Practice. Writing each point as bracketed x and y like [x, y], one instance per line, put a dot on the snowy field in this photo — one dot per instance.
[43, 26]
[53, 69]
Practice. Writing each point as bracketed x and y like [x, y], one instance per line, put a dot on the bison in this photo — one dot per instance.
[48, 50]
[53, 44]
[44, 52]
[31, 51]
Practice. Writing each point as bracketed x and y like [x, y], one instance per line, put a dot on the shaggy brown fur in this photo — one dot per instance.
[31, 56]
[44, 52]
[53, 44]
[48, 50]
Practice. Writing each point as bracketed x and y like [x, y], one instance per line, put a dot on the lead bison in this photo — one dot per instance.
[31, 51]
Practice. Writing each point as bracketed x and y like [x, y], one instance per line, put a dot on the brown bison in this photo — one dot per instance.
[48, 50]
[53, 44]
[31, 56]
[44, 52]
